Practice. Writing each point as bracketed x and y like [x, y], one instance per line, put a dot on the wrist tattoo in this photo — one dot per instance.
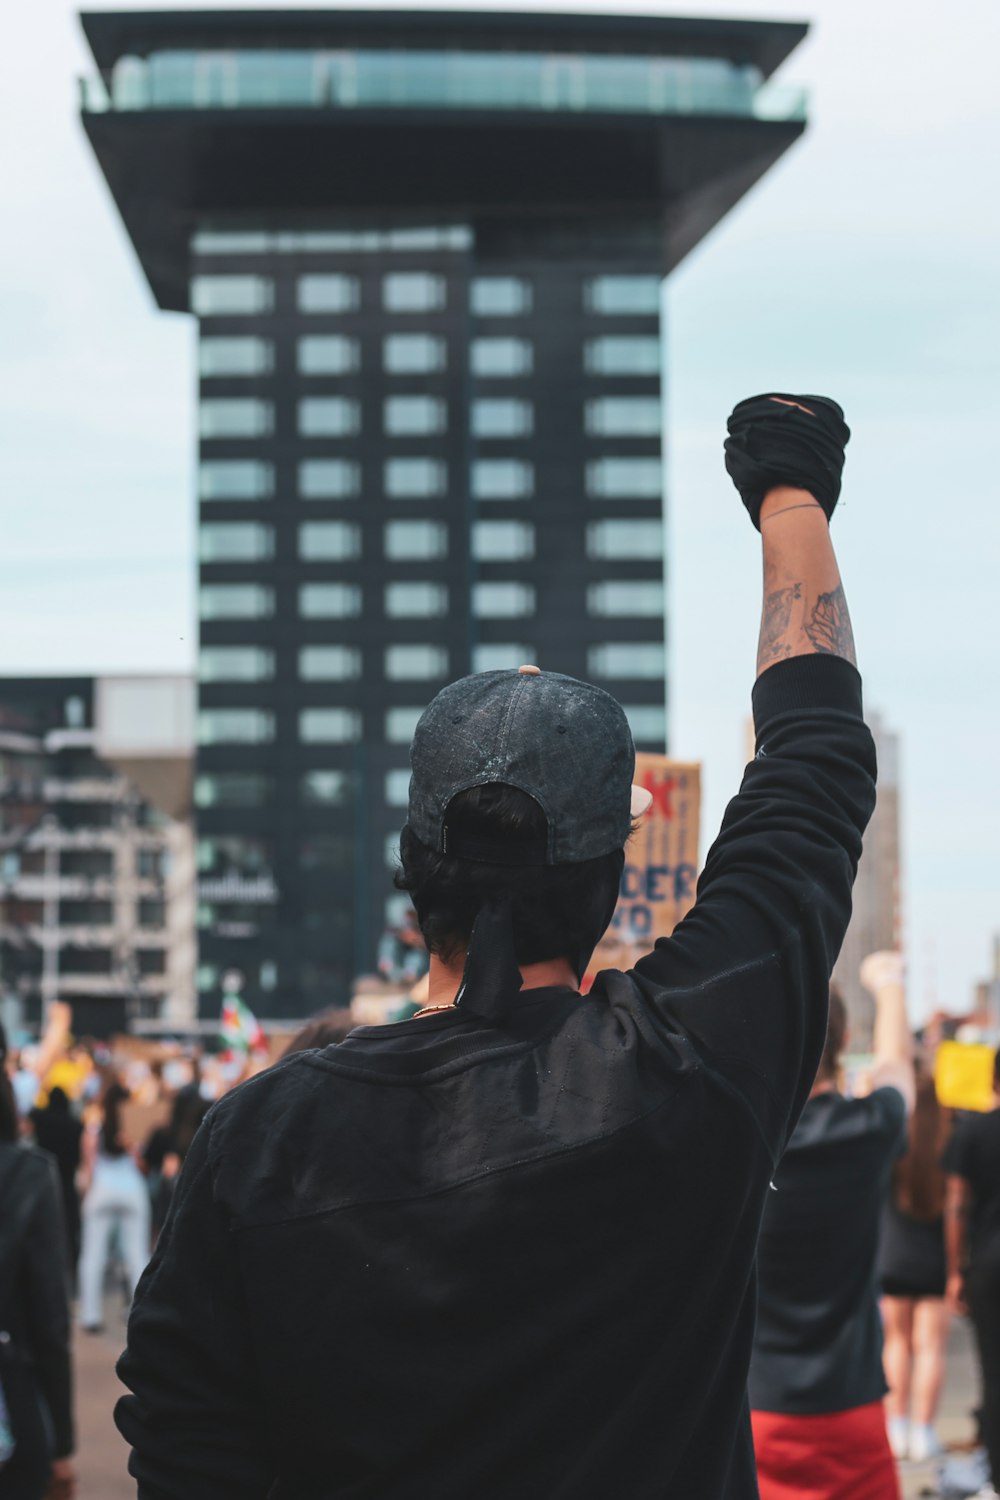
[829, 626]
[774, 625]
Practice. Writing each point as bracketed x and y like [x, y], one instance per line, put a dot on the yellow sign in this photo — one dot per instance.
[963, 1075]
[661, 864]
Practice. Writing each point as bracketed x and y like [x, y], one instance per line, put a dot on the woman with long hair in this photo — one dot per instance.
[913, 1273]
[35, 1370]
[116, 1203]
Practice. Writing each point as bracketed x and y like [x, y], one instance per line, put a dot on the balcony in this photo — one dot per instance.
[426, 80]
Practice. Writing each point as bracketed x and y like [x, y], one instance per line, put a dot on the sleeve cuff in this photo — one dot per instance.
[807, 682]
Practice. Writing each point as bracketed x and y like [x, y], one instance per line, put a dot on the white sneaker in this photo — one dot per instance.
[924, 1443]
[986, 1493]
[898, 1429]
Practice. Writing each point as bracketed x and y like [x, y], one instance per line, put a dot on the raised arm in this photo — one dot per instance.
[882, 974]
[746, 974]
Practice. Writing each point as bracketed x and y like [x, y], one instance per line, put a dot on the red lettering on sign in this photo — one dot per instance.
[661, 789]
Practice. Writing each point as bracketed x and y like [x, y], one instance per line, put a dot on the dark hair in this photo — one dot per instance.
[319, 1031]
[836, 1036]
[919, 1181]
[187, 1113]
[558, 911]
[111, 1142]
[8, 1104]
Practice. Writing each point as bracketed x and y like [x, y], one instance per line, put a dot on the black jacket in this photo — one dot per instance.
[34, 1301]
[448, 1259]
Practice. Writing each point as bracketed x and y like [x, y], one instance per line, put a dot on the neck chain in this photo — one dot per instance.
[426, 1010]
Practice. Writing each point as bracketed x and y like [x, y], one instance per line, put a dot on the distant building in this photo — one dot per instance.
[425, 251]
[876, 922]
[97, 849]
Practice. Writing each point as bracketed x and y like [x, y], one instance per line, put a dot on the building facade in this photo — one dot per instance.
[97, 872]
[877, 915]
[425, 252]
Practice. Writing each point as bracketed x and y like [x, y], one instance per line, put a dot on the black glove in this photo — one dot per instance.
[771, 444]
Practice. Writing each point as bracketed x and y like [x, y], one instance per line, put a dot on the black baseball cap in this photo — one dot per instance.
[565, 743]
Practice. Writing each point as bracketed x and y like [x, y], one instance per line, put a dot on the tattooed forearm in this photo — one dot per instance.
[829, 626]
[774, 625]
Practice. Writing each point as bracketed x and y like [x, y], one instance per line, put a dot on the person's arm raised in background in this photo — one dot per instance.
[883, 975]
[746, 974]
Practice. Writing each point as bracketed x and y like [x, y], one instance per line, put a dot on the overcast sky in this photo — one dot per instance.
[865, 265]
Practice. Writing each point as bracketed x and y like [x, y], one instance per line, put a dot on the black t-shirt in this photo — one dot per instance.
[818, 1344]
[974, 1153]
[514, 1256]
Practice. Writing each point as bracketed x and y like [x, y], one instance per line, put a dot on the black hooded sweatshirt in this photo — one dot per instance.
[454, 1258]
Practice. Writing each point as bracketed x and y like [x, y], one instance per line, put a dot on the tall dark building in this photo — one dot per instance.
[425, 250]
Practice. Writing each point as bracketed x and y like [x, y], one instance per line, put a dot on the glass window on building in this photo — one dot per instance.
[502, 541]
[503, 601]
[329, 479]
[325, 788]
[413, 354]
[235, 726]
[397, 789]
[329, 601]
[329, 541]
[500, 656]
[413, 292]
[415, 663]
[415, 541]
[502, 418]
[235, 479]
[648, 723]
[235, 356]
[246, 858]
[328, 416]
[329, 663]
[235, 601]
[415, 478]
[638, 541]
[232, 789]
[417, 600]
[500, 296]
[625, 479]
[327, 354]
[502, 479]
[501, 357]
[623, 295]
[623, 416]
[327, 294]
[225, 296]
[329, 726]
[413, 416]
[625, 597]
[235, 664]
[238, 417]
[400, 724]
[623, 659]
[235, 541]
[637, 355]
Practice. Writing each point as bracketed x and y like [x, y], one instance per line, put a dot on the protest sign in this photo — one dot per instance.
[963, 1075]
[661, 864]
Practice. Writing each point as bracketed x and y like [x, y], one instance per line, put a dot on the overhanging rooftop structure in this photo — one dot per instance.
[252, 115]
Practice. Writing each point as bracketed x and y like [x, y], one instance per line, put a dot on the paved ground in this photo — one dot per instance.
[102, 1454]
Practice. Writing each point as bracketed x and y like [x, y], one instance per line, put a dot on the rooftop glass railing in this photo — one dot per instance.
[439, 80]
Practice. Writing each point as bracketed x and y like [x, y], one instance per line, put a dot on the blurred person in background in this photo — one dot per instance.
[165, 1151]
[972, 1239]
[57, 1130]
[116, 1209]
[913, 1273]
[326, 1029]
[402, 953]
[35, 1372]
[816, 1377]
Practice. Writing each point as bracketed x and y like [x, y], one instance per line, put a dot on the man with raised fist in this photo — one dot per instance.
[506, 1248]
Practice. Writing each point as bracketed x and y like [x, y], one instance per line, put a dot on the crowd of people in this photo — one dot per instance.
[648, 1241]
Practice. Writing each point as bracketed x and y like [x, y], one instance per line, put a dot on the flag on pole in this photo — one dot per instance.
[239, 1031]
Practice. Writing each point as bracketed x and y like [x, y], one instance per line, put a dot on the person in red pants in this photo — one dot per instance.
[816, 1377]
